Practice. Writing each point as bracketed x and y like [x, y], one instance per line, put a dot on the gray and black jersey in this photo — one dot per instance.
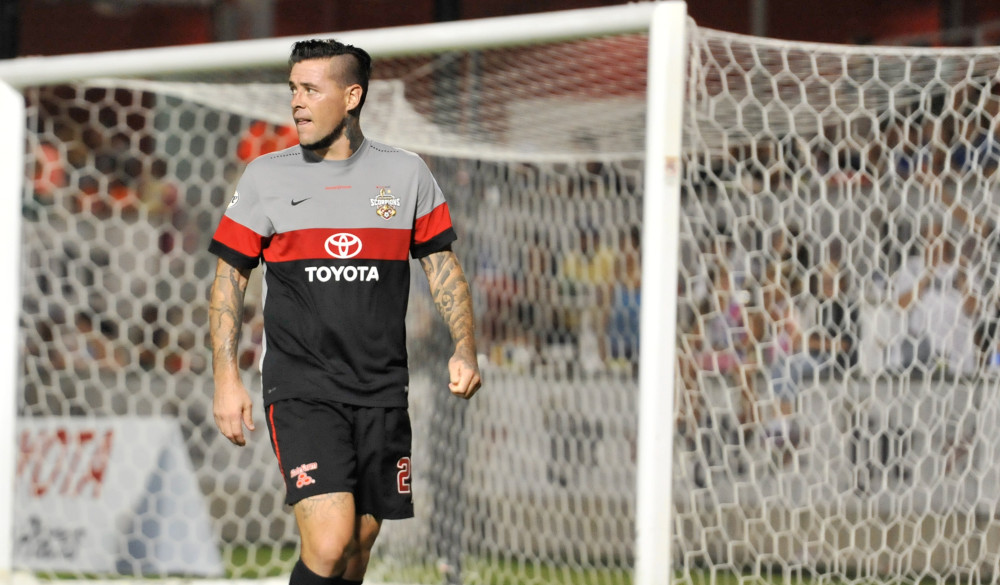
[335, 237]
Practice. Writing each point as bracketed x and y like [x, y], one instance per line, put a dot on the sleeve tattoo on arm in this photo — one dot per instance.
[226, 311]
[450, 291]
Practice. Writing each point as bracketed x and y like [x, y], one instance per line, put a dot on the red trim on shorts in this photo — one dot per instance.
[274, 439]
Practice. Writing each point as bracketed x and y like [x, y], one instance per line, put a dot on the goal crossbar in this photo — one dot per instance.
[380, 42]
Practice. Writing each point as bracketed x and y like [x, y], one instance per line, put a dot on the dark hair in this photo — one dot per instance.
[329, 48]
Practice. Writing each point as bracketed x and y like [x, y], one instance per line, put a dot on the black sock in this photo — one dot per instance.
[303, 575]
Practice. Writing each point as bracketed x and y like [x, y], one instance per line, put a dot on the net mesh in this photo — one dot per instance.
[836, 315]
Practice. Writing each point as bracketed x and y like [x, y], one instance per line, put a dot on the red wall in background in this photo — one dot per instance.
[74, 26]
[490, 8]
[298, 17]
[54, 28]
[845, 21]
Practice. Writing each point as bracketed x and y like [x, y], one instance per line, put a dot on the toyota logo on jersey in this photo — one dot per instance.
[343, 245]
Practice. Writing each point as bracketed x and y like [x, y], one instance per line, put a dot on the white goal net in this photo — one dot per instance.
[837, 363]
[836, 415]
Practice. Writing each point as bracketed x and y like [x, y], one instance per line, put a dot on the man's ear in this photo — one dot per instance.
[353, 96]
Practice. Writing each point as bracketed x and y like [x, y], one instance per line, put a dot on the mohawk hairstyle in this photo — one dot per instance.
[360, 73]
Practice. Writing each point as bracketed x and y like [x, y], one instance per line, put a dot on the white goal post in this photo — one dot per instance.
[11, 165]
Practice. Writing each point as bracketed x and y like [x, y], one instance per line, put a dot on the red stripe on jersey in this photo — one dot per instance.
[432, 224]
[360, 244]
[238, 237]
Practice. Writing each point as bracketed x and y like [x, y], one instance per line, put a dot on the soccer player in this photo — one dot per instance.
[335, 220]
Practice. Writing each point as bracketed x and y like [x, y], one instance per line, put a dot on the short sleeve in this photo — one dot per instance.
[244, 228]
[432, 229]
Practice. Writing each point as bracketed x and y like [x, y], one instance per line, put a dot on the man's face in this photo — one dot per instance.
[319, 102]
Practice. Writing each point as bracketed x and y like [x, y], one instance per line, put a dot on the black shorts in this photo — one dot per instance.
[328, 447]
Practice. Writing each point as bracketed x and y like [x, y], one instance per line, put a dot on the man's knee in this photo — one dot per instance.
[327, 527]
[329, 556]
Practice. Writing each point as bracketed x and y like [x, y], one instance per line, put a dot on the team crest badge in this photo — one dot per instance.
[385, 204]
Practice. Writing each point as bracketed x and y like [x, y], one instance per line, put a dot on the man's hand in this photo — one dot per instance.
[463, 371]
[233, 410]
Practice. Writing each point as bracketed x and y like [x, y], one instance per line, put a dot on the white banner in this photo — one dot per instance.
[109, 496]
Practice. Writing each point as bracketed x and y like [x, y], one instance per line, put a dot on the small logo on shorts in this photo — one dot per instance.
[302, 477]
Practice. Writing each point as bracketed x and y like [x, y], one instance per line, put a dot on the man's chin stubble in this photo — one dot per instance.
[328, 140]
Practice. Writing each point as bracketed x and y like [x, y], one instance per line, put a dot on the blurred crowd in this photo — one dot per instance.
[865, 250]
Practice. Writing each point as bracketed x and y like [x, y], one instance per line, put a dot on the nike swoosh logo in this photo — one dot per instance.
[294, 202]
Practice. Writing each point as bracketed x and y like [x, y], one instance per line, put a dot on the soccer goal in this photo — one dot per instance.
[814, 400]
[534, 127]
